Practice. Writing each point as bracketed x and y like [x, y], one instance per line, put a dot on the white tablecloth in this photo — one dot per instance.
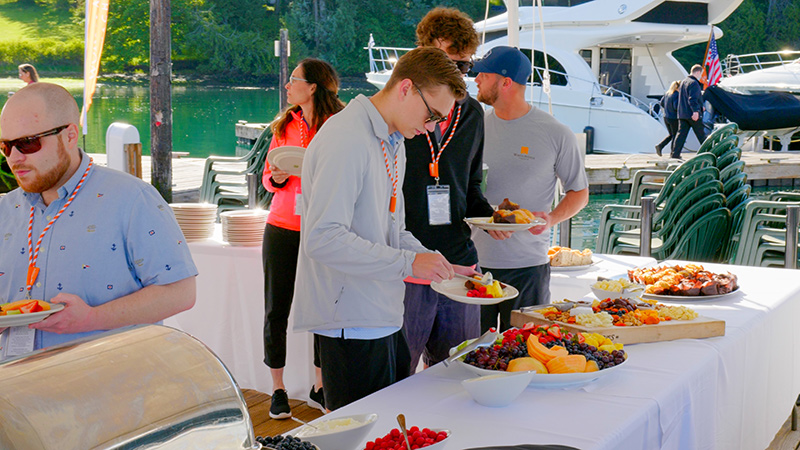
[730, 392]
[228, 317]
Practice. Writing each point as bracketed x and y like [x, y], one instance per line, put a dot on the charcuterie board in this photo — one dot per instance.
[698, 328]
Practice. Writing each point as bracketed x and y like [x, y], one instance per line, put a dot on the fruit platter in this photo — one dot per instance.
[559, 358]
[25, 312]
[679, 282]
[626, 321]
[477, 290]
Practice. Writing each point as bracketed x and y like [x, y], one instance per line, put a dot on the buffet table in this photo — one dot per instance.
[228, 317]
[727, 392]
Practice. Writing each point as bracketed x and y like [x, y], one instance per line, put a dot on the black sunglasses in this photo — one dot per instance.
[436, 118]
[464, 66]
[29, 144]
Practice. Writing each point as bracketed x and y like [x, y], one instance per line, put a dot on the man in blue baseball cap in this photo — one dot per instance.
[527, 151]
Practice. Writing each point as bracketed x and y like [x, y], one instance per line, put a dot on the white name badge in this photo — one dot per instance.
[19, 341]
[439, 205]
[298, 203]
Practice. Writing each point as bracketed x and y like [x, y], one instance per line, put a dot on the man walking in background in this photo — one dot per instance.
[690, 110]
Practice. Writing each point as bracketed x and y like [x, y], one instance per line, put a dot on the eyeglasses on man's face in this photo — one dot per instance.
[464, 66]
[434, 117]
[28, 144]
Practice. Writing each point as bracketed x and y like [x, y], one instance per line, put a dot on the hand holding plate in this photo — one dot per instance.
[279, 176]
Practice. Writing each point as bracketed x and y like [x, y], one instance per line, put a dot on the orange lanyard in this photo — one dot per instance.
[394, 179]
[433, 167]
[33, 254]
[303, 133]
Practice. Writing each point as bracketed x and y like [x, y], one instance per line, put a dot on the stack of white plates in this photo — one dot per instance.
[244, 228]
[195, 219]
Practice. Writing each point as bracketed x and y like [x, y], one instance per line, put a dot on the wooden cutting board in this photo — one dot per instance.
[700, 327]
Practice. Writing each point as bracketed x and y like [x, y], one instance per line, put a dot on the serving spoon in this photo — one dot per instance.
[401, 420]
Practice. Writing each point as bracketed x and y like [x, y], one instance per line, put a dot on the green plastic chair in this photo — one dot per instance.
[703, 240]
[731, 170]
[733, 155]
[761, 218]
[645, 182]
[665, 239]
[731, 245]
[737, 197]
[734, 183]
[722, 147]
[785, 196]
[717, 136]
[623, 220]
[225, 178]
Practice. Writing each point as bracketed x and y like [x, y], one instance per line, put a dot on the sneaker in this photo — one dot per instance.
[279, 409]
[658, 150]
[316, 399]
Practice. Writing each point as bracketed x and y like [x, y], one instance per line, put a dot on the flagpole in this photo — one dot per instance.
[704, 76]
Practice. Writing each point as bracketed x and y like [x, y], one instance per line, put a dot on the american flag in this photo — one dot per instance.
[712, 62]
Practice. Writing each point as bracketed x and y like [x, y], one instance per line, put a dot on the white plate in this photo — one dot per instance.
[288, 158]
[551, 380]
[455, 290]
[572, 268]
[485, 223]
[689, 298]
[16, 320]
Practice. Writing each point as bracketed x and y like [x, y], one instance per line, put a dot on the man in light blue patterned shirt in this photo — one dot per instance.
[115, 256]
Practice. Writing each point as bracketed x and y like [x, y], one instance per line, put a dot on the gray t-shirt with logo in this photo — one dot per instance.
[526, 156]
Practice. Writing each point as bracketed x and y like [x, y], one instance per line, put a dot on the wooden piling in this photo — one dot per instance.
[161, 97]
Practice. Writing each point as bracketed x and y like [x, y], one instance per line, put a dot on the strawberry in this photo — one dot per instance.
[554, 331]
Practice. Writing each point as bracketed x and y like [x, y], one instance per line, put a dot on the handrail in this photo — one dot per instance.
[388, 56]
[748, 62]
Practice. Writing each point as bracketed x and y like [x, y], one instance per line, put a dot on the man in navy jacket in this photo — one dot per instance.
[690, 110]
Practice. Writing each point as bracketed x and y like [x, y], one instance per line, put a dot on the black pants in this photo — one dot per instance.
[355, 368]
[672, 128]
[533, 284]
[683, 132]
[279, 256]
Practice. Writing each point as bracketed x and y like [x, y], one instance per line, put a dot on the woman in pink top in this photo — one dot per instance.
[312, 92]
[28, 73]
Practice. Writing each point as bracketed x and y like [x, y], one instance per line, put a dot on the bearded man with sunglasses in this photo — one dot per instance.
[442, 188]
[101, 243]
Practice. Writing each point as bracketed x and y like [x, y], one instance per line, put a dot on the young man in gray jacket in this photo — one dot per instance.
[354, 249]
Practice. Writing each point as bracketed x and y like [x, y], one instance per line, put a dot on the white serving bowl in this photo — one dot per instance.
[498, 390]
[347, 439]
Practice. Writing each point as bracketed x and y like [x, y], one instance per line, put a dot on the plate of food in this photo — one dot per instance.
[288, 158]
[565, 259]
[476, 291]
[559, 358]
[26, 312]
[688, 283]
[508, 217]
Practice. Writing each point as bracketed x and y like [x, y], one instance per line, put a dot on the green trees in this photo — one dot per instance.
[337, 30]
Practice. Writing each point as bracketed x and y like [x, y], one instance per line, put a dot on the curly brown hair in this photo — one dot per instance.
[429, 67]
[325, 98]
[451, 25]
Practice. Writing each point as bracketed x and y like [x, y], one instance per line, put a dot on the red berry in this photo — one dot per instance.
[370, 445]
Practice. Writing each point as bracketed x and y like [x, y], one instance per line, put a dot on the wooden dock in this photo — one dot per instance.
[608, 174]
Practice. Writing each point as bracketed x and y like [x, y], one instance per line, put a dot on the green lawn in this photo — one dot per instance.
[26, 21]
[14, 84]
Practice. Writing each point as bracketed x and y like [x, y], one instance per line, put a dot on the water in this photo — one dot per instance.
[203, 117]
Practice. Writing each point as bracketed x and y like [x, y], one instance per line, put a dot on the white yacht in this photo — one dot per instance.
[610, 61]
[756, 73]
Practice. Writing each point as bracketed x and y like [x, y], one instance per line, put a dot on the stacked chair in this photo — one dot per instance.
[763, 231]
[694, 207]
[225, 178]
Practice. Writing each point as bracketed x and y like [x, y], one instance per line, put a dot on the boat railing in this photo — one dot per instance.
[736, 64]
[387, 57]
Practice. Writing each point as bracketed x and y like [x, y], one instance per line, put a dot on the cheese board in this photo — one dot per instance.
[698, 328]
